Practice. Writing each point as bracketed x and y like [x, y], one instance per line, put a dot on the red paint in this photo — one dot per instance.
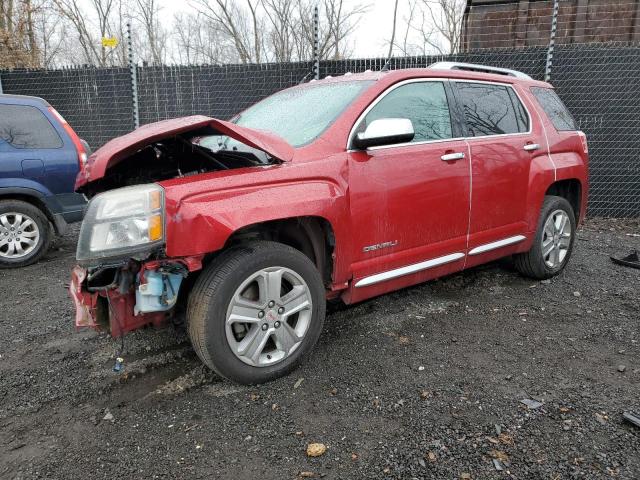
[84, 301]
[122, 319]
[404, 194]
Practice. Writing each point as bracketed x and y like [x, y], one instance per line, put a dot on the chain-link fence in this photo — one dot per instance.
[600, 83]
[218, 91]
[96, 102]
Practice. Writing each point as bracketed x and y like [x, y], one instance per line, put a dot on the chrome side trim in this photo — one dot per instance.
[410, 144]
[442, 80]
[402, 271]
[497, 244]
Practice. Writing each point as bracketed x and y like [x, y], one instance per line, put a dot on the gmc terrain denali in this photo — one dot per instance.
[344, 188]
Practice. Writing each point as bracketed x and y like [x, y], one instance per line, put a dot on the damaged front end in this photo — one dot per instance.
[123, 281]
[125, 297]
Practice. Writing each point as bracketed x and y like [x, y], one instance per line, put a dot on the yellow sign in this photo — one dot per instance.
[109, 42]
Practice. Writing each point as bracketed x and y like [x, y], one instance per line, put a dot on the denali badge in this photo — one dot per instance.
[379, 246]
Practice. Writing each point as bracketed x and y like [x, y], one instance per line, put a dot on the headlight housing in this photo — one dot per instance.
[122, 222]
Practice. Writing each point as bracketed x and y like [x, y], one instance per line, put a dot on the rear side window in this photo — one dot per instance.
[492, 109]
[554, 108]
[23, 126]
[424, 103]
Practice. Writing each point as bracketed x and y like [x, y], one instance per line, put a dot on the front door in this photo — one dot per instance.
[409, 202]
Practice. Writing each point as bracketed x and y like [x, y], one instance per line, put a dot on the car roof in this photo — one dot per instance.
[23, 100]
[393, 76]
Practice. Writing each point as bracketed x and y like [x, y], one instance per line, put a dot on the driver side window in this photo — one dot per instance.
[424, 103]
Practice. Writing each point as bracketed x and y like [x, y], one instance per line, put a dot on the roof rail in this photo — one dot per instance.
[478, 68]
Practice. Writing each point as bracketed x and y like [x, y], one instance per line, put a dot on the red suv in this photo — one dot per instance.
[344, 188]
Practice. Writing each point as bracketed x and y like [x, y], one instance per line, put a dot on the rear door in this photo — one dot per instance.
[503, 140]
[409, 202]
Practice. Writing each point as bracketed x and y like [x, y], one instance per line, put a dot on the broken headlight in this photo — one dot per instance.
[122, 222]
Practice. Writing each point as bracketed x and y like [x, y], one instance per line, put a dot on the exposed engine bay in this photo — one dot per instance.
[178, 156]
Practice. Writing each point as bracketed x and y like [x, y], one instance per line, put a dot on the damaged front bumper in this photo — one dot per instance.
[124, 298]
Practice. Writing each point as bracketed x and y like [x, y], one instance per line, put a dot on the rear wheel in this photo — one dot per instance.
[256, 311]
[25, 234]
[553, 243]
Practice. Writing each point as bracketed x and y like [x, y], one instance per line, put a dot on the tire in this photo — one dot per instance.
[242, 280]
[536, 263]
[16, 214]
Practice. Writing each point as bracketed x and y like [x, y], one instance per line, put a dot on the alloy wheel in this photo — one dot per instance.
[556, 238]
[268, 316]
[19, 235]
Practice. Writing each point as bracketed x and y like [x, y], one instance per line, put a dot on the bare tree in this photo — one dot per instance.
[337, 23]
[341, 23]
[198, 40]
[441, 26]
[393, 31]
[18, 40]
[282, 30]
[283, 19]
[72, 11]
[408, 21]
[51, 34]
[62, 32]
[148, 11]
[240, 25]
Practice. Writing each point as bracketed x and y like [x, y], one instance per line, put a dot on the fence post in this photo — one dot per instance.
[0, 84]
[133, 70]
[316, 42]
[552, 41]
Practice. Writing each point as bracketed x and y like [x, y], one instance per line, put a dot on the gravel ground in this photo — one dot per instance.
[422, 383]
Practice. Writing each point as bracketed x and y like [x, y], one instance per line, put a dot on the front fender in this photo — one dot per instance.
[201, 222]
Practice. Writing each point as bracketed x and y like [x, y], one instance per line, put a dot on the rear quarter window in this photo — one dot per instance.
[24, 126]
[554, 108]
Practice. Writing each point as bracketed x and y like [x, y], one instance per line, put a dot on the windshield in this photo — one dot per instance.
[298, 115]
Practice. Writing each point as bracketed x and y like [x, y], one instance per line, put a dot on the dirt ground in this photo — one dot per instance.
[422, 383]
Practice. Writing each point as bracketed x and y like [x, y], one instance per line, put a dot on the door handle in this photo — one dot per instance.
[530, 147]
[448, 157]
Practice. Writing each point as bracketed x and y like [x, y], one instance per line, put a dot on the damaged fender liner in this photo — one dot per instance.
[110, 308]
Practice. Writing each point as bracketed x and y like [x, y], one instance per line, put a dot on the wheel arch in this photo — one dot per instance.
[35, 198]
[571, 190]
[312, 235]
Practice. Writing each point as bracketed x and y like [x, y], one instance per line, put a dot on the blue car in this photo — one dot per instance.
[40, 156]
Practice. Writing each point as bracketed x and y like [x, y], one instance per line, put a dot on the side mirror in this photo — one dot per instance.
[385, 131]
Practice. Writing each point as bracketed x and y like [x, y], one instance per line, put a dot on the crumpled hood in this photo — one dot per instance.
[114, 151]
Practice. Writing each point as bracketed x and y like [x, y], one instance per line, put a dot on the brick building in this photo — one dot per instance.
[527, 23]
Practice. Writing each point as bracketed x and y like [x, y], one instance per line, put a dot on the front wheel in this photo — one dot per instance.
[256, 311]
[553, 243]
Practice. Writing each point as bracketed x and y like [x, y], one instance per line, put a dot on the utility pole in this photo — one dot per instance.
[552, 41]
[133, 70]
[316, 44]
